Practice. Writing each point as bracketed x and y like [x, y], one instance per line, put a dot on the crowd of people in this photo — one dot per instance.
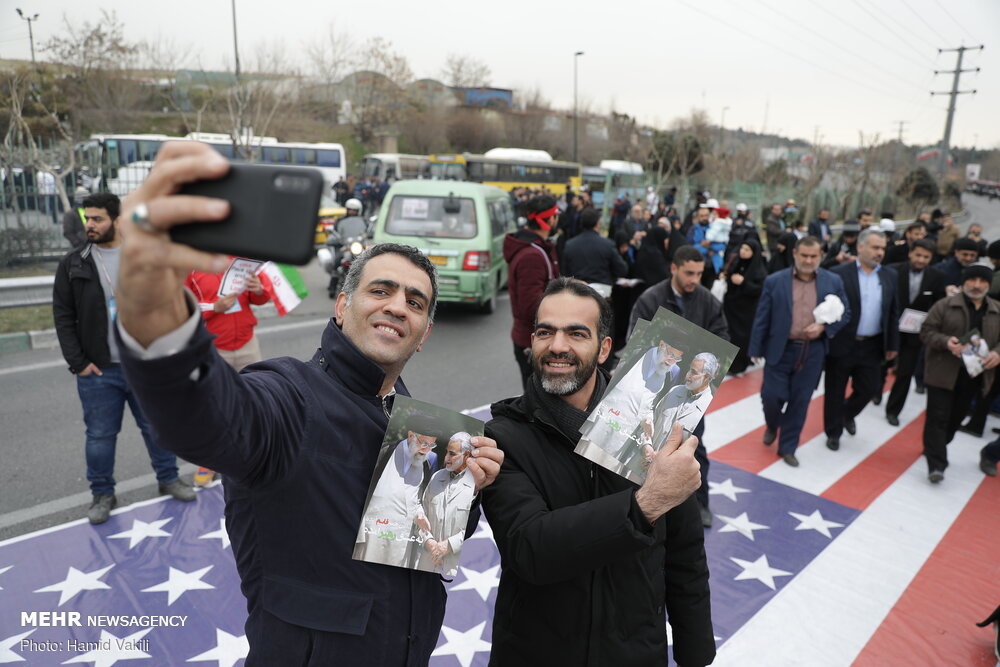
[757, 286]
[586, 555]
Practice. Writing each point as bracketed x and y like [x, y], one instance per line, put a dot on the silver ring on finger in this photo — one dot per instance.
[140, 218]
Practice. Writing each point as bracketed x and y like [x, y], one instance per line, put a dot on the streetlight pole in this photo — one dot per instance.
[31, 34]
[576, 142]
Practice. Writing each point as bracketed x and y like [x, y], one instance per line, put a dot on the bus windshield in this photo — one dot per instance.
[447, 172]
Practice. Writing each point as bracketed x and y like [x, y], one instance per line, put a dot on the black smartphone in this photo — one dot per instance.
[273, 215]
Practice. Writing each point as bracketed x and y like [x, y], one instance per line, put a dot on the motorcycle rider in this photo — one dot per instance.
[352, 227]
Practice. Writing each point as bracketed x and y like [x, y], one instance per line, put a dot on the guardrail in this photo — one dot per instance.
[36, 291]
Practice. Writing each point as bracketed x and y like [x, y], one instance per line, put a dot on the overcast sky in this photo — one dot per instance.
[795, 67]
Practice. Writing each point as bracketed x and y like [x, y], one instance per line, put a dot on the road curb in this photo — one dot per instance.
[15, 342]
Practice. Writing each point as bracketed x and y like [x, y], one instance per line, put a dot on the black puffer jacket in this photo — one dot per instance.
[585, 578]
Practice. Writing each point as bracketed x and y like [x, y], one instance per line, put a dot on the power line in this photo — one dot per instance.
[892, 75]
[906, 29]
[855, 28]
[948, 14]
[792, 54]
[893, 32]
[924, 21]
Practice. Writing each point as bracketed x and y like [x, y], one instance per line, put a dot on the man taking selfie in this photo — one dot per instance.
[296, 442]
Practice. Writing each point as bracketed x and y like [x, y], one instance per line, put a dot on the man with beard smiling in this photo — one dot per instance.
[950, 390]
[296, 441]
[83, 307]
[590, 560]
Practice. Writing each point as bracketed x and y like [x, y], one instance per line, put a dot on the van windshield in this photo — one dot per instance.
[418, 215]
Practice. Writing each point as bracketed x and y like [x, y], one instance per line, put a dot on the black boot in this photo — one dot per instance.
[995, 620]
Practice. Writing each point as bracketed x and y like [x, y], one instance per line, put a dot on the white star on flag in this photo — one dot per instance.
[179, 582]
[727, 489]
[463, 645]
[815, 521]
[77, 581]
[221, 534]
[228, 649]
[760, 570]
[2, 570]
[740, 524]
[484, 532]
[481, 582]
[141, 530]
[6, 654]
[120, 649]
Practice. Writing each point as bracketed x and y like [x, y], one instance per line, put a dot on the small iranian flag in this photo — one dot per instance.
[283, 284]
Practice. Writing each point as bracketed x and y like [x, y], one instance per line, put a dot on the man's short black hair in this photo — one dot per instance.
[916, 224]
[926, 244]
[808, 240]
[109, 202]
[581, 289]
[589, 218]
[687, 253]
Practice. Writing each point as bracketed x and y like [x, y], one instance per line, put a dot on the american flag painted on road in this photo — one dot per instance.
[852, 558]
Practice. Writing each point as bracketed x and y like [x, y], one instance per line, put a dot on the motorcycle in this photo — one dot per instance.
[342, 246]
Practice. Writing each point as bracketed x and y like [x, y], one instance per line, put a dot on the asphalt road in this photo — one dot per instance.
[467, 362]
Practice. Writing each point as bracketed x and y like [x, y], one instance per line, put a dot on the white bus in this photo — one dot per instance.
[391, 167]
[120, 162]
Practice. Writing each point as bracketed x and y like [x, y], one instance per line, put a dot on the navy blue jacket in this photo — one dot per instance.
[952, 270]
[773, 321]
[297, 443]
[593, 259]
[843, 343]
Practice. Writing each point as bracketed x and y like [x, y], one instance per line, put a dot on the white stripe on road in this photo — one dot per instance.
[827, 613]
[261, 331]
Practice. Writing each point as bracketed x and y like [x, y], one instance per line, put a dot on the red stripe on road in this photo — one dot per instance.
[867, 480]
[749, 453]
[933, 621]
[736, 389]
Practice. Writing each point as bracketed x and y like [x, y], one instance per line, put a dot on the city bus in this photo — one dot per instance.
[120, 162]
[508, 168]
[394, 166]
[614, 179]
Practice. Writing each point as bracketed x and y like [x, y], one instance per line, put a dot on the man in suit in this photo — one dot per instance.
[787, 336]
[591, 257]
[868, 336]
[820, 227]
[899, 251]
[918, 287]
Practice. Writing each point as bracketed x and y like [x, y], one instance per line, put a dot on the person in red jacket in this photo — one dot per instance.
[532, 263]
[232, 322]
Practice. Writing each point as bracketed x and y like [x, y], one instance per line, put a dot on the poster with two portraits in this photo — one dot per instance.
[669, 372]
[421, 493]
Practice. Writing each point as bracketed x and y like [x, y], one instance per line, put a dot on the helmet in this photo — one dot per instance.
[353, 204]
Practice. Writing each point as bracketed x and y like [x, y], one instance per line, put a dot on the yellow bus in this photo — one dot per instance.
[508, 168]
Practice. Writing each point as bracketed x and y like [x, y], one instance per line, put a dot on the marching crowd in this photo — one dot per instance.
[916, 301]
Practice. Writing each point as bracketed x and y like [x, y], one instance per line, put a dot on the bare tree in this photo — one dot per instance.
[30, 102]
[100, 66]
[465, 71]
[379, 100]
[331, 55]
[267, 93]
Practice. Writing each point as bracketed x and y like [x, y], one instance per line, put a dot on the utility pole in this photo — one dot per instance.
[901, 123]
[955, 92]
[31, 34]
[576, 58]
[239, 94]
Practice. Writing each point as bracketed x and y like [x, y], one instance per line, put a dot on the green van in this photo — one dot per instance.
[460, 226]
